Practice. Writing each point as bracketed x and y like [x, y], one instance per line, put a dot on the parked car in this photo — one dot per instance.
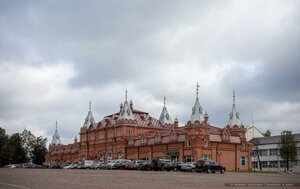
[71, 166]
[121, 164]
[209, 166]
[188, 167]
[157, 164]
[56, 166]
[100, 165]
[172, 166]
[136, 165]
[110, 164]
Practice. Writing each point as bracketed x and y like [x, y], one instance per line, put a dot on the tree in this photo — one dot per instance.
[287, 147]
[28, 140]
[267, 133]
[13, 151]
[3, 140]
[39, 150]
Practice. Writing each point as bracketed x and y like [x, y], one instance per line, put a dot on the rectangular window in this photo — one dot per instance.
[110, 134]
[273, 164]
[188, 159]
[243, 161]
[205, 157]
[101, 135]
[254, 164]
[264, 164]
[263, 152]
[273, 152]
[119, 132]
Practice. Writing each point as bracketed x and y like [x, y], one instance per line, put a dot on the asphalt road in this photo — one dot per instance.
[115, 179]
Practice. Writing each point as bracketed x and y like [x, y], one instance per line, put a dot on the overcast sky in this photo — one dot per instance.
[55, 56]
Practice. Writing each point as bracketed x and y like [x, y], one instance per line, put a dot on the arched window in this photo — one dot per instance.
[119, 155]
[205, 143]
[101, 157]
[109, 156]
[188, 143]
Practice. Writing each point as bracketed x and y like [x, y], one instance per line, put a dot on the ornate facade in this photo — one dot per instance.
[134, 134]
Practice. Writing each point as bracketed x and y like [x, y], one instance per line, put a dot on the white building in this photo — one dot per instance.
[253, 132]
[270, 159]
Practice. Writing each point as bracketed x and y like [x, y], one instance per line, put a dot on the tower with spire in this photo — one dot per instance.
[197, 114]
[125, 110]
[89, 118]
[165, 116]
[56, 137]
[234, 116]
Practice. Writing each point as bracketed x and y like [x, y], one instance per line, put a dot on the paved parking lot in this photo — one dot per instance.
[116, 179]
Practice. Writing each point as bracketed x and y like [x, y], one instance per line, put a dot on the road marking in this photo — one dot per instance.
[14, 185]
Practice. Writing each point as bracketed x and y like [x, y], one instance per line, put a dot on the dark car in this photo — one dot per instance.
[208, 166]
[159, 164]
[172, 166]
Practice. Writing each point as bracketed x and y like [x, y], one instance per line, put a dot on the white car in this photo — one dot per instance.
[110, 164]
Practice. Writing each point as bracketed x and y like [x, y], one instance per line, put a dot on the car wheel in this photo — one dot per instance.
[222, 171]
[208, 170]
[175, 169]
[193, 170]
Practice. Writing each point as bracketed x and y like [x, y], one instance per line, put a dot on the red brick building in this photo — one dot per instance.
[134, 134]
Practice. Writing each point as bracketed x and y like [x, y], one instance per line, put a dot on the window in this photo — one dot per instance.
[282, 164]
[243, 161]
[119, 155]
[264, 164]
[157, 138]
[119, 132]
[101, 135]
[254, 154]
[273, 152]
[188, 159]
[263, 152]
[205, 156]
[273, 164]
[110, 134]
[188, 144]
[101, 157]
[243, 146]
[254, 164]
[205, 143]
[109, 156]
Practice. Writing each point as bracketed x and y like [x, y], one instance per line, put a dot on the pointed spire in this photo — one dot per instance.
[89, 118]
[126, 112]
[234, 116]
[197, 90]
[165, 116]
[233, 98]
[56, 137]
[197, 114]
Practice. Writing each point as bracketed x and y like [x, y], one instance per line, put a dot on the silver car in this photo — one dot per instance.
[189, 167]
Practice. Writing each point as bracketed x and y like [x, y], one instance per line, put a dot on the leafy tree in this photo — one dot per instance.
[28, 140]
[3, 140]
[39, 150]
[287, 147]
[267, 133]
[13, 151]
